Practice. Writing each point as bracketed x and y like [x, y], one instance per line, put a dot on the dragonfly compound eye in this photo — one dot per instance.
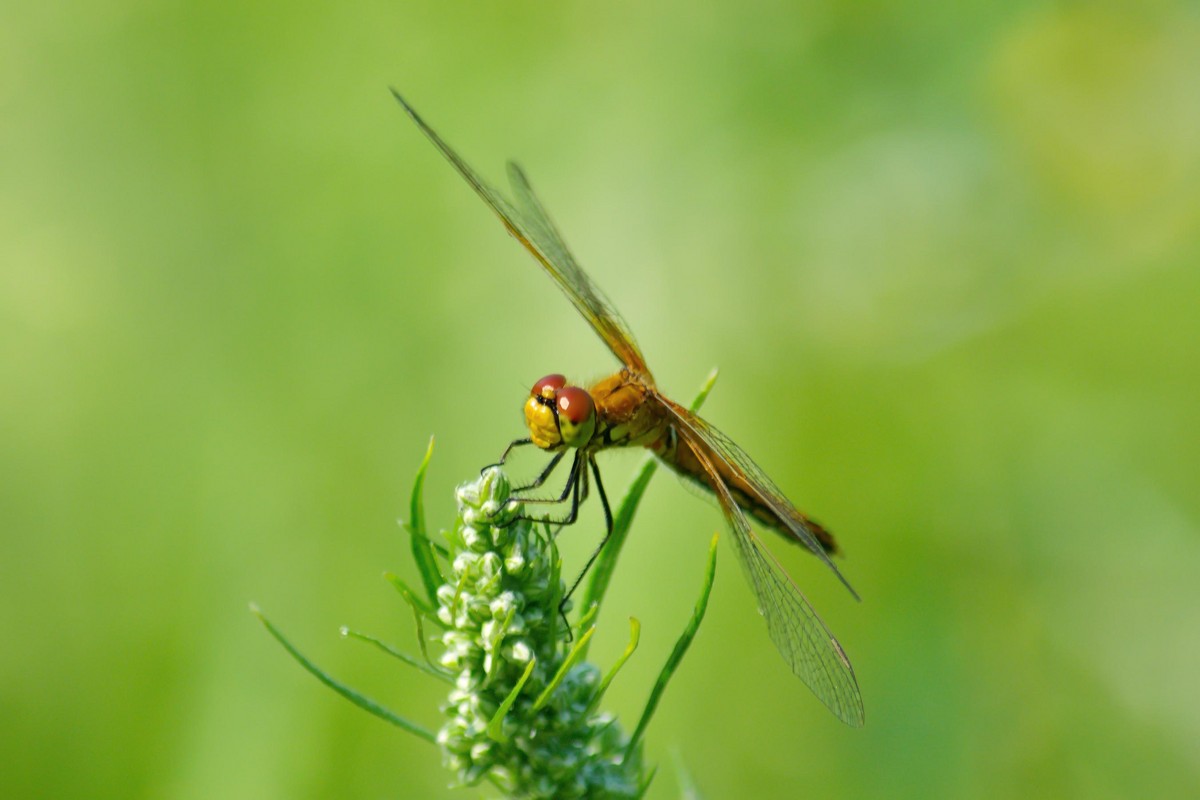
[576, 416]
[548, 386]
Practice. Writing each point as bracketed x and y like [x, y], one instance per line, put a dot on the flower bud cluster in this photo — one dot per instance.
[500, 609]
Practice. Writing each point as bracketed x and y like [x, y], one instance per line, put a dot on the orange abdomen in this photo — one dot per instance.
[678, 455]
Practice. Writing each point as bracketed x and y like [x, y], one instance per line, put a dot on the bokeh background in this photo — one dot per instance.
[946, 256]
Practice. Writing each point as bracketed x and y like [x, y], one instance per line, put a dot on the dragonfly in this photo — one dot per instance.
[627, 409]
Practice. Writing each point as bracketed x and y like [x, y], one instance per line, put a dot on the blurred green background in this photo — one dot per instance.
[946, 256]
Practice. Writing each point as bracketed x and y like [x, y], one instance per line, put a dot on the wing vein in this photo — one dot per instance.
[526, 219]
[802, 638]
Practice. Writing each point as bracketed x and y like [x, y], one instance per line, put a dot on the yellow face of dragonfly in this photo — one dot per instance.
[559, 415]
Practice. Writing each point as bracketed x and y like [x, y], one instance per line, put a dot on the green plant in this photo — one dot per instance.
[523, 708]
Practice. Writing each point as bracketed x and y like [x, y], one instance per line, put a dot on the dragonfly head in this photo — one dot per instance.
[559, 415]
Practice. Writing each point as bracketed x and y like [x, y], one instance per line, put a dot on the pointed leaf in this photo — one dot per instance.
[681, 647]
[570, 661]
[428, 669]
[422, 550]
[496, 726]
[635, 633]
[360, 700]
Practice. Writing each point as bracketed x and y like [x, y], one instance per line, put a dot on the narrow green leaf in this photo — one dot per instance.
[606, 564]
[360, 700]
[556, 566]
[681, 647]
[702, 395]
[419, 615]
[438, 549]
[687, 785]
[588, 616]
[428, 669]
[422, 550]
[645, 787]
[572, 657]
[635, 633]
[496, 725]
[412, 598]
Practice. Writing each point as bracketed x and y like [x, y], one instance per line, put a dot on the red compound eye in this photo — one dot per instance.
[548, 386]
[575, 404]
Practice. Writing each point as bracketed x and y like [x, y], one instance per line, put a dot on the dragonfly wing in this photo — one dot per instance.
[527, 221]
[754, 478]
[579, 288]
[807, 646]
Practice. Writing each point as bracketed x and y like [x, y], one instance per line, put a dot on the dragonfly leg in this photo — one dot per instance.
[579, 470]
[515, 443]
[570, 490]
[540, 479]
[580, 477]
[608, 517]
[586, 490]
[572, 479]
[608, 530]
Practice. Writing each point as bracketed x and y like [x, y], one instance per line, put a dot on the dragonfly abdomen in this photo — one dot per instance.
[684, 463]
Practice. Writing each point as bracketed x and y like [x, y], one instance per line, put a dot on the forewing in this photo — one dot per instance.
[561, 265]
[807, 646]
[724, 448]
[527, 221]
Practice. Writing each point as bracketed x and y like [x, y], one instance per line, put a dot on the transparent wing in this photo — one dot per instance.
[807, 646]
[528, 222]
[748, 476]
